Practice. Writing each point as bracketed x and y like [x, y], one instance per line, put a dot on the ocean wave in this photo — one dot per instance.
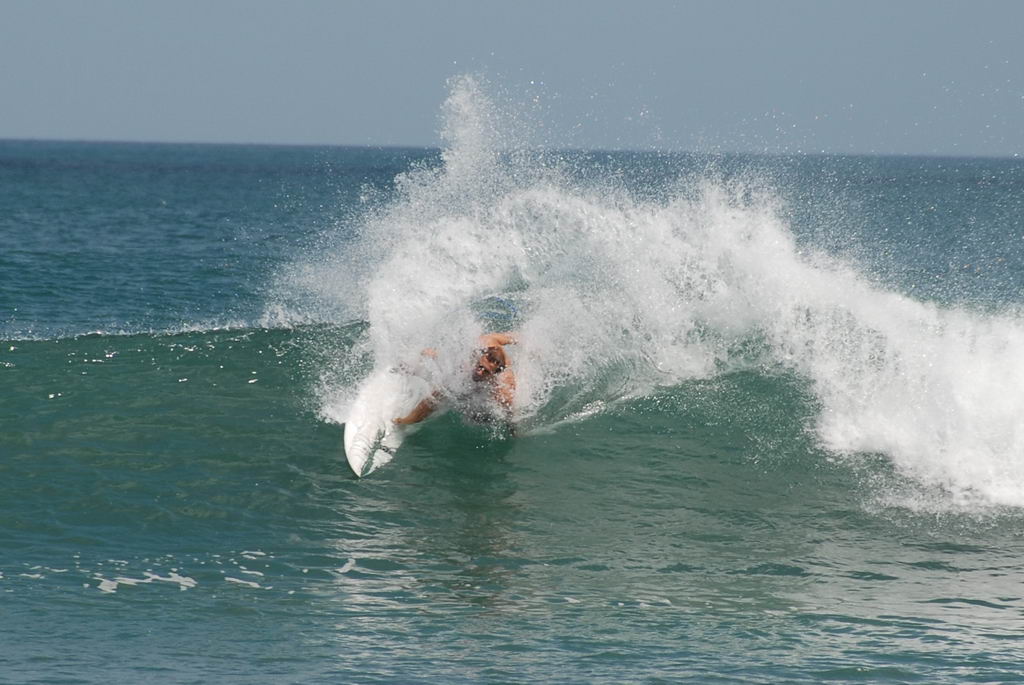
[616, 295]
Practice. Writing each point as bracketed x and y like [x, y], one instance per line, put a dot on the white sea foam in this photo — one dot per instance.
[239, 581]
[108, 585]
[614, 296]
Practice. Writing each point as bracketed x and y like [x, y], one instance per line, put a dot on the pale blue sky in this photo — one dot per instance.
[908, 76]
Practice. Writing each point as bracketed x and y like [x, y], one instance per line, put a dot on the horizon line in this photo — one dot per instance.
[438, 148]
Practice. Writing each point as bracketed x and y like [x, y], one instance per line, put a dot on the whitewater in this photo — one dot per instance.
[616, 295]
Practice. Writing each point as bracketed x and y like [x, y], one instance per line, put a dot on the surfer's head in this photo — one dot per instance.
[490, 363]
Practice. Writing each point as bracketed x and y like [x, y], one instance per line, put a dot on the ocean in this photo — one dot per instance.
[769, 414]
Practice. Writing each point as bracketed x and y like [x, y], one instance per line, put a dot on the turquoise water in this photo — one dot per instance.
[769, 407]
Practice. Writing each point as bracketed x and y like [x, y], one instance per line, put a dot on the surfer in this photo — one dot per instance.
[497, 383]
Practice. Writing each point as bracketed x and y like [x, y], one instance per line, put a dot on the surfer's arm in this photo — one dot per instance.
[498, 339]
[420, 411]
[504, 394]
[505, 389]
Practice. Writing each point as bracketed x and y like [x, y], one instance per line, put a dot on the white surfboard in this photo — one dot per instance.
[371, 436]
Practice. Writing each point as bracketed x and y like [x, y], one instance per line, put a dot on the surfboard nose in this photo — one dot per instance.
[359, 449]
[371, 436]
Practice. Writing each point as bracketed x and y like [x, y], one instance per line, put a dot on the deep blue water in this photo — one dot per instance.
[770, 416]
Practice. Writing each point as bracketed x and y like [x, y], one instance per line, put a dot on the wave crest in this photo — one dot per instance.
[616, 294]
